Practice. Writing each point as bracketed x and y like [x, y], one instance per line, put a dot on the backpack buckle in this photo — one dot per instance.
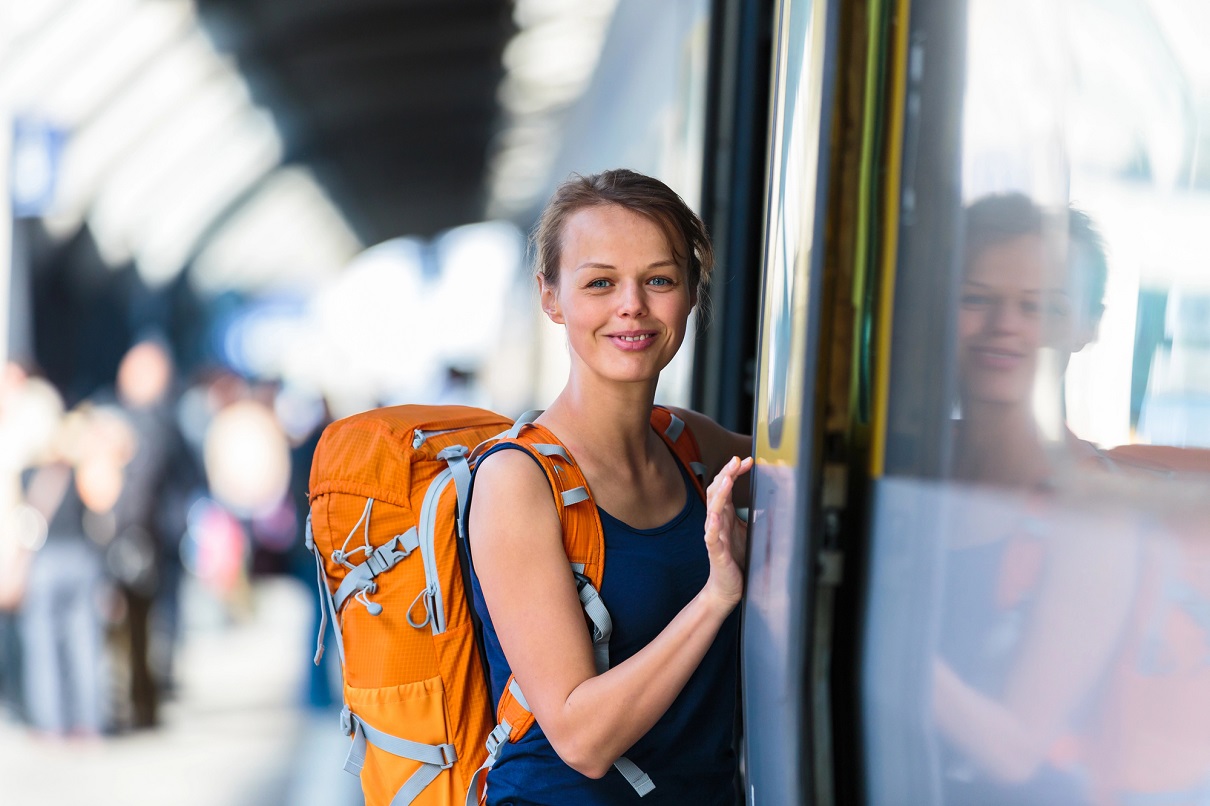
[346, 721]
[449, 754]
[384, 558]
[452, 452]
[497, 738]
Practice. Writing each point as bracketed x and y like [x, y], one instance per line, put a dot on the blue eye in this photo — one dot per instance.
[660, 281]
[599, 283]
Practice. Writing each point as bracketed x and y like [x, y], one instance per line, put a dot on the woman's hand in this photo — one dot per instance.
[726, 537]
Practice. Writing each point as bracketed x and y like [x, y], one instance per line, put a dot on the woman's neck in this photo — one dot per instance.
[1000, 444]
[599, 420]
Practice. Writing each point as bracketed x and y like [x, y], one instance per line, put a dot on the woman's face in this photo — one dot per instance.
[1012, 304]
[622, 293]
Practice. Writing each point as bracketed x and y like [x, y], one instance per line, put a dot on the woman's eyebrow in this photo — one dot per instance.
[1033, 291]
[592, 264]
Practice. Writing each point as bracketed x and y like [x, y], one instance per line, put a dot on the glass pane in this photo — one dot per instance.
[1039, 627]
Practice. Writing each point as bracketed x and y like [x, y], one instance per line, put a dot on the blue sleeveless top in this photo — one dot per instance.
[650, 575]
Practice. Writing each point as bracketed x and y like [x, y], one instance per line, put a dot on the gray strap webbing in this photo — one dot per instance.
[325, 602]
[574, 496]
[546, 449]
[384, 558]
[522, 421]
[598, 614]
[517, 695]
[675, 427]
[638, 779]
[433, 758]
[495, 744]
[602, 625]
[455, 457]
[699, 469]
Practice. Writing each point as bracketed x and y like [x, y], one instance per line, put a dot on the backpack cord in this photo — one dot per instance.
[340, 556]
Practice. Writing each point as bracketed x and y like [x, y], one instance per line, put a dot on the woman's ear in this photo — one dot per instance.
[550, 300]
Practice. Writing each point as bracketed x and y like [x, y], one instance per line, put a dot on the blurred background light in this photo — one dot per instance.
[547, 66]
[261, 248]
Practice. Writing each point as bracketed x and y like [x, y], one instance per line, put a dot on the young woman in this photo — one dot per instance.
[1038, 583]
[621, 262]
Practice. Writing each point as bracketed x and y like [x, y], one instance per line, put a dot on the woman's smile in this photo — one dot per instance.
[635, 341]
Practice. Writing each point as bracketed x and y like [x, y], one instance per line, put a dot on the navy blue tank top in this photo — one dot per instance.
[650, 575]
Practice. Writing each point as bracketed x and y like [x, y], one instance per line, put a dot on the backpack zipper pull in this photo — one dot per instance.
[421, 437]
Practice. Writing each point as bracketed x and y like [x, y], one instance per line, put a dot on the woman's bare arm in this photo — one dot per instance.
[1082, 605]
[527, 584]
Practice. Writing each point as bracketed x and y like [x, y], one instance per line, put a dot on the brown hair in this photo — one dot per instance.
[1001, 217]
[638, 193]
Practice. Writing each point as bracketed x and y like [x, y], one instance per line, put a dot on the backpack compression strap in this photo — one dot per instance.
[434, 759]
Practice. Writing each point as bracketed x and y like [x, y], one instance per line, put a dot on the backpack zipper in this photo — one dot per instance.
[428, 524]
[420, 437]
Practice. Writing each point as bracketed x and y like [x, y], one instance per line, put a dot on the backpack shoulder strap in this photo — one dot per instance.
[677, 435]
[583, 536]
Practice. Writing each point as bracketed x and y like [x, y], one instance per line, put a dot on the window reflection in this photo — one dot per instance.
[1046, 598]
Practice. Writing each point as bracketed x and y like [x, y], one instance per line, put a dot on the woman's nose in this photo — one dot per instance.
[632, 300]
[1004, 316]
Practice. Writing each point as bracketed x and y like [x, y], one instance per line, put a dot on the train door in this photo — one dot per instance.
[779, 706]
[980, 552]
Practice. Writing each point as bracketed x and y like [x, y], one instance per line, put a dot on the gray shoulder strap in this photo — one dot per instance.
[675, 427]
[522, 421]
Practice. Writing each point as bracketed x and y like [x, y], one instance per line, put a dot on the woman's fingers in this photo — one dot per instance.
[718, 494]
[724, 534]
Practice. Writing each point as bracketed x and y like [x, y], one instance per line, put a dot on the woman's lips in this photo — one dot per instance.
[633, 342]
[996, 359]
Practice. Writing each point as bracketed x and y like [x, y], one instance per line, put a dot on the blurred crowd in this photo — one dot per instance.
[110, 506]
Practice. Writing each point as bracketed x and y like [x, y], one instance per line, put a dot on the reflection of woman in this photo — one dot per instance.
[1035, 600]
[621, 262]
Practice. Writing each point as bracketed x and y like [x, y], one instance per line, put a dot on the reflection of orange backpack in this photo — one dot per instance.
[1151, 741]
[388, 490]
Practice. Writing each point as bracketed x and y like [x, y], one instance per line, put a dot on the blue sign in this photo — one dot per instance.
[36, 152]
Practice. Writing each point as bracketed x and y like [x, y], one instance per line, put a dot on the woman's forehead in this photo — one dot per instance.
[602, 230]
[1025, 263]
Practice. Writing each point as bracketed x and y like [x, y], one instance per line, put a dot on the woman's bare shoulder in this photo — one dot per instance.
[509, 472]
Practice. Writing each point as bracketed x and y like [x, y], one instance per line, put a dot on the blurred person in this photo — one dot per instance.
[30, 414]
[459, 387]
[304, 418]
[246, 457]
[160, 483]
[62, 624]
[1037, 590]
[621, 262]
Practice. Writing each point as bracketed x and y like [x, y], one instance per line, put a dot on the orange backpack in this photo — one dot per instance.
[388, 493]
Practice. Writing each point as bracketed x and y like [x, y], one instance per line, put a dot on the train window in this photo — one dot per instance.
[1038, 606]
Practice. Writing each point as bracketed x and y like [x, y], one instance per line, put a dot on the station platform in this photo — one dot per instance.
[237, 732]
